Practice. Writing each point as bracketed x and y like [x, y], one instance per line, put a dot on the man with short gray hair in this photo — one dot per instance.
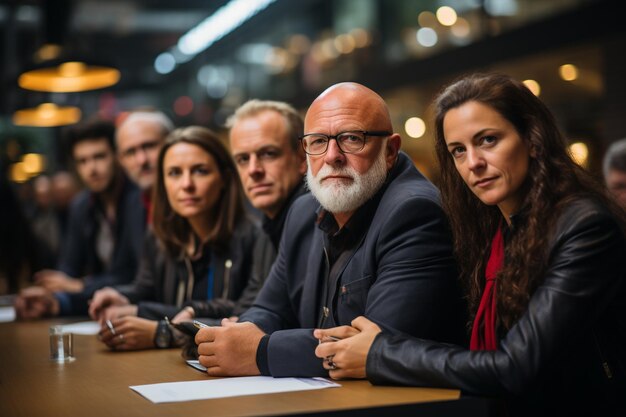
[271, 163]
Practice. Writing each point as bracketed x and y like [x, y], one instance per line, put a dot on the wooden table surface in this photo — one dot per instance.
[97, 383]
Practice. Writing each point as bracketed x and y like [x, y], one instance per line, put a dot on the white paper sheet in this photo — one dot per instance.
[83, 327]
[7, 314]
[227, 387]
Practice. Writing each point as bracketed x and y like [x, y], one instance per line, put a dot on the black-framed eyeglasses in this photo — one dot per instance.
[348, 142]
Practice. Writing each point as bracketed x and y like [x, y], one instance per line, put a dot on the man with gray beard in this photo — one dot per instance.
[370, 240]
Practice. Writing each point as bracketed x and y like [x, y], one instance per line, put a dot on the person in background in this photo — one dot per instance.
[271, 164]
[203, 246]
[21, 252]
[105, 229]
[614, 170]
[139, 139]
[541, 250]
[65, 187]
[378, 245]
[44, 219]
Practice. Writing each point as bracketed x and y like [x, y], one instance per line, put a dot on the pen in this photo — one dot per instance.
[111, 328]
[199, 325]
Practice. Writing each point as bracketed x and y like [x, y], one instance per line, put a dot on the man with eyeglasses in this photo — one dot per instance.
[371, 239]
[139, 138]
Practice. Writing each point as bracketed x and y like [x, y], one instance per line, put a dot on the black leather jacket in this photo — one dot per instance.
[565, 356]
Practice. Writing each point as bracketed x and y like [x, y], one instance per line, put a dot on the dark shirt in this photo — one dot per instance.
[79, 256]
[339, 245]
[200, 269]
[274, 227]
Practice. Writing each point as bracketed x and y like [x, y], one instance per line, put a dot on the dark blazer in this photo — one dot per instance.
[265, 251]
[156, 286]
[78, 254]
[402, 275]
[565, 356]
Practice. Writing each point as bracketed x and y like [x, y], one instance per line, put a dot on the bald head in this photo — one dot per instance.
[352, 100]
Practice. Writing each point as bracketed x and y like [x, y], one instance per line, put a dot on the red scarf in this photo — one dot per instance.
[484, 328]
[146, 200]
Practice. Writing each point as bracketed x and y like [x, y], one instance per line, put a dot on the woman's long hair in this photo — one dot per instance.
[173, 231]
[553, 179]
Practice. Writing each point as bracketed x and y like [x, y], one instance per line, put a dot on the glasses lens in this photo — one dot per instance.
[351, 142]
[315, 144]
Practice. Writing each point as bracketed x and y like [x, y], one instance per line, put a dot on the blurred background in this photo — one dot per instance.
[197, 60]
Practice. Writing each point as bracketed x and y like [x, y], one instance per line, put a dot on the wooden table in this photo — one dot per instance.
[96, 384]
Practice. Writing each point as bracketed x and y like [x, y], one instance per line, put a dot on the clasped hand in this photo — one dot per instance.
[346, 358]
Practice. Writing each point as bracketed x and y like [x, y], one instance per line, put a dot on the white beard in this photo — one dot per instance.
[336, 197]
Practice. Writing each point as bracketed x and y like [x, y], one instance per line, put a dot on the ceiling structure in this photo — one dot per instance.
[291, 49]
[130, 35]
[126, 35]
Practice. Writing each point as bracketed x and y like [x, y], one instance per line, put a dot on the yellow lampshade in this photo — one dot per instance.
[47, 115]
[69, 77]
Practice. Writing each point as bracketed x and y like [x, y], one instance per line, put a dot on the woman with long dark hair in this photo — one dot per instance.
[200, 254]
[541, 250]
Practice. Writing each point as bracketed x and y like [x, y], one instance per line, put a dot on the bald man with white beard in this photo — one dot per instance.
[371, 239]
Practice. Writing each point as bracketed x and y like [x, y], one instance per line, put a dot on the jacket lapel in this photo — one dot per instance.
[310, 307]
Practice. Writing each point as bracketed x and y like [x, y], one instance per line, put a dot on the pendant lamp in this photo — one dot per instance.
[47, 115]
[69, 77]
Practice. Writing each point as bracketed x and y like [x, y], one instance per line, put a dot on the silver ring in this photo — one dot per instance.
[121, 336]
[331, 365]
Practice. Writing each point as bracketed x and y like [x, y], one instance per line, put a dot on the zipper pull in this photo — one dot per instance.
[607, 370]
[227, 265]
